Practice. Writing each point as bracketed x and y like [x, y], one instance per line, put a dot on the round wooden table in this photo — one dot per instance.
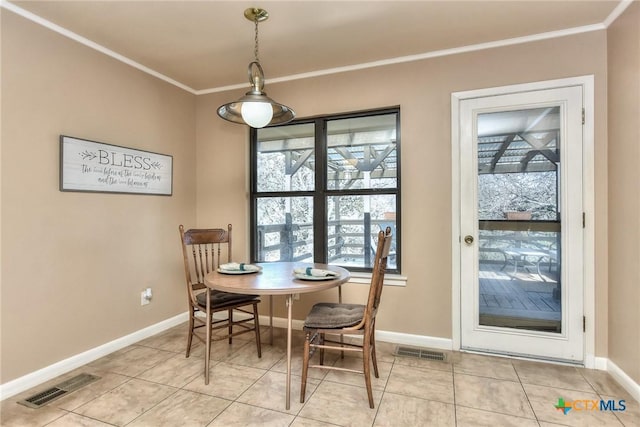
[275, 278]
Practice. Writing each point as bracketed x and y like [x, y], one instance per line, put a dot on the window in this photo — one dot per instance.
[322, 188]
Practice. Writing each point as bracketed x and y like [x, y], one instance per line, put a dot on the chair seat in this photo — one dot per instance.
[221, 299]
[327, 315]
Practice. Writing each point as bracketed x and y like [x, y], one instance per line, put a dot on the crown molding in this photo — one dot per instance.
[93, 45]
[622, 6]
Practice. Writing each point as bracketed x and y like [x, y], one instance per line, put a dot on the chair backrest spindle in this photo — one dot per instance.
[203, 244]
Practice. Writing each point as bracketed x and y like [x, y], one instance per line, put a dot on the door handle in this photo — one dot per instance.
[468, 239]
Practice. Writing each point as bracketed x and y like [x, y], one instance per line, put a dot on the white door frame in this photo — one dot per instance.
[587, 84]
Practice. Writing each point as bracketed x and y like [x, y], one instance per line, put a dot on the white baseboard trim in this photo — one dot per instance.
[28, 381]
[599, 363]
[415, 340]
[624, 380]
[390, 337]
[281, 322]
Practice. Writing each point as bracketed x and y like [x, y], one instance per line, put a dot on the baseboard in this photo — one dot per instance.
[28, 381]
[386, 336]
[599, 363]
[624, 380]
[281, 322]
[415, 340]
[389, 337]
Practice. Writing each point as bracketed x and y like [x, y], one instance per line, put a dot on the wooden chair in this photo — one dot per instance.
[350, 319]
[201, 249]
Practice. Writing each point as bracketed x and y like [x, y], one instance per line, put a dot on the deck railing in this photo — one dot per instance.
[350, 240]
[495, 236]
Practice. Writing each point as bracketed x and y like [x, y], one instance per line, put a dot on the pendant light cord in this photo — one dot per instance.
[255, 49]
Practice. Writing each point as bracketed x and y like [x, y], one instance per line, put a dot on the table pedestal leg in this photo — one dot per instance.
[289, 325]
[271, 319]
[341, 336]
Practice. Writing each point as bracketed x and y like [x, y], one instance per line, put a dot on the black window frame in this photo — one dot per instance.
[320, 193]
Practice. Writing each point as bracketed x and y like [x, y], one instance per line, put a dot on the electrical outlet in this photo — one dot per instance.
[145, 296]
[296, 296]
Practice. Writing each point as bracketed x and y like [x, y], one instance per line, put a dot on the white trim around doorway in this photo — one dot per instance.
[587, 84]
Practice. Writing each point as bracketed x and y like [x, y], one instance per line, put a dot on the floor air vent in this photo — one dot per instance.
[59, 390]
[420, 353]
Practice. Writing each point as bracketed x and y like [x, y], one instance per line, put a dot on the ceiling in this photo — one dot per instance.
[205, 46]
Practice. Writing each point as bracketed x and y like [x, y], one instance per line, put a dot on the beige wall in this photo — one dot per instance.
[423, 90]
[74, 264]
[623, 49]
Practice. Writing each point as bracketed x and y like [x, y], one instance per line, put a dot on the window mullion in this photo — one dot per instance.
[253, 173]
[319, 199]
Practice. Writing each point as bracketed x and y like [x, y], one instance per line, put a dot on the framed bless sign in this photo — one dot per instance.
[97, 167]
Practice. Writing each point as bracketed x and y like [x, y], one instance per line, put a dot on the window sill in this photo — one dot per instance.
[389, 279]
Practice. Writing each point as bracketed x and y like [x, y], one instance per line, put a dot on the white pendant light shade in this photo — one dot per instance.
[256, 114]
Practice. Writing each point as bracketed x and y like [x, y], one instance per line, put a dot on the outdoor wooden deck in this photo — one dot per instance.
[523, 300]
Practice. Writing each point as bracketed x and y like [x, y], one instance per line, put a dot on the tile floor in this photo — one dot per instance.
[151, 383]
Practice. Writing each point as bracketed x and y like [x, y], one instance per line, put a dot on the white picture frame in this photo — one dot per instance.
[90, 166]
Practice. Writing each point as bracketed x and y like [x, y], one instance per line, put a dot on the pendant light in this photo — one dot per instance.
[255, 108]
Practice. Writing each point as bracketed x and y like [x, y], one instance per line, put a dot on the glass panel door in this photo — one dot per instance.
[521, 275]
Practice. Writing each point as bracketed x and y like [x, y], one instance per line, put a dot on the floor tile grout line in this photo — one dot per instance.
[557, 387]
[601, 396]
[422, 398]
[254, 383]
[152, 406]
[229, 402]
[137, 377]
[129, 378]
[93, 418]
[487, 377]
[593, 385]
[384, 391]
[61, 416]
[496, 412]
[524, 390]
[222, 411]
[455, 402]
